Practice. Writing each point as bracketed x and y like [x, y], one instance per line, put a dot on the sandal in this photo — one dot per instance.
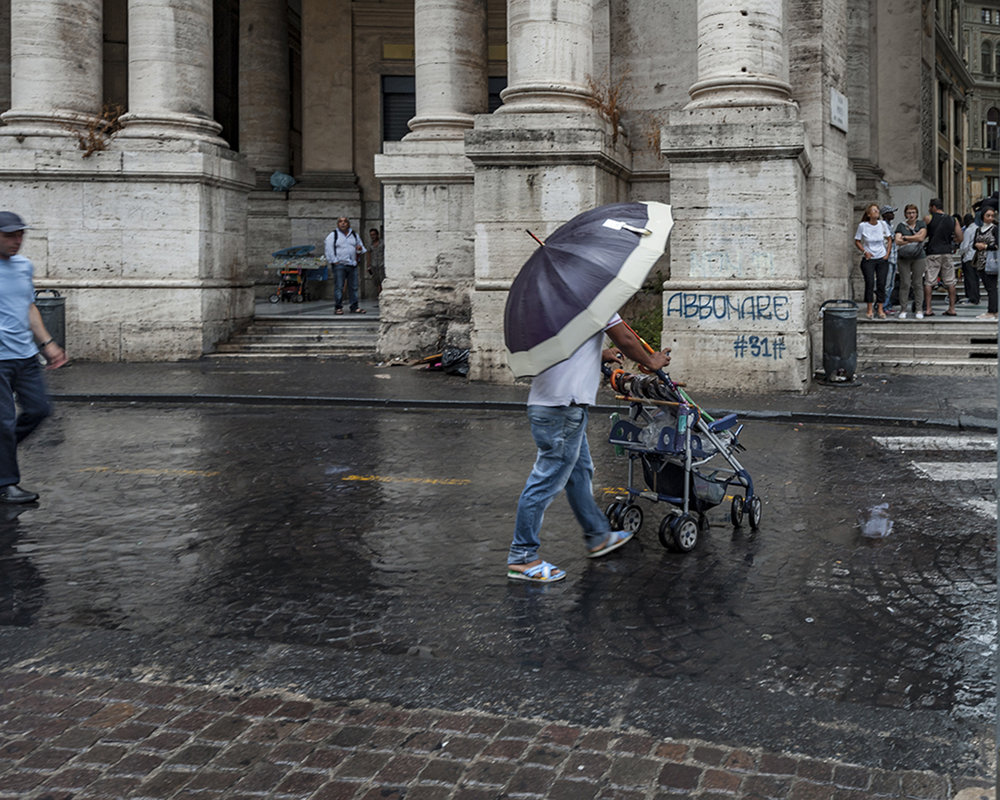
[358, 311]
[339, 311]
[540, 573]
[615, 540]
[950, 314]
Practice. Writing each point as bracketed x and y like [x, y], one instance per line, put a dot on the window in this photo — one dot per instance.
[992, 128]
[987, 58]
[399, 105]
[985, 16]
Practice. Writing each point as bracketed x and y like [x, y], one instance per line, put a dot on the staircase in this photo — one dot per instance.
[936, 346]
[303, 337]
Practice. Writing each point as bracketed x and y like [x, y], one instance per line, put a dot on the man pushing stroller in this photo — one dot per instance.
[557, 411]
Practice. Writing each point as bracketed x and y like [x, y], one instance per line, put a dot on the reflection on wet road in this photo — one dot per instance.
[388, 531]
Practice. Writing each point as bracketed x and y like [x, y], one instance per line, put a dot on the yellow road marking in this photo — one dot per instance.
[198, 473]
[394, 479]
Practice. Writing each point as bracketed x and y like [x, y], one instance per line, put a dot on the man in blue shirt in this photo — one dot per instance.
[21, 327]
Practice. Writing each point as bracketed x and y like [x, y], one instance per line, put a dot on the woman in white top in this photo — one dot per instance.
[871, 241]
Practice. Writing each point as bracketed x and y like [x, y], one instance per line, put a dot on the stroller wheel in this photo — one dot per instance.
[685, 531]
[666, 537]
[755, 508]
[630, 518]
[273, 298]
[612, 512]
[736, 511]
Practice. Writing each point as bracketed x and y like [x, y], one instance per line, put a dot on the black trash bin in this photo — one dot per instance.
[53, 311]
[840, 339]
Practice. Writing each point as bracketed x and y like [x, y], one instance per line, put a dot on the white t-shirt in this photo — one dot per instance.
[872, 237]
[574, 380]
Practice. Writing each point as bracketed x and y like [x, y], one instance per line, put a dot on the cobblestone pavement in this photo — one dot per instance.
[189, 563]
[81, 738]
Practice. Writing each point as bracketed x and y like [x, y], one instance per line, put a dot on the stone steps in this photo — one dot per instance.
[273, 337]
[928, 347]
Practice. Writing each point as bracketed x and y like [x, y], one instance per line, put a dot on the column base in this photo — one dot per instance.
[533, 171]
[429, 237]
[157, 236]
[167, 126]
[54, 123]
[735, 308]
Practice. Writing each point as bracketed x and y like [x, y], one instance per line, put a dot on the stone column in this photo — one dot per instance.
[5, 64]
[550, 55]
[56, 65]
[428, 185]
[734, 306]
[170, 71]
[265, 100]
[450, 67]
[264, 84]
[328, 184]
[741, 54]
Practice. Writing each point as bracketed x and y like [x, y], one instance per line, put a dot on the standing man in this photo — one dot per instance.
[342, 248]
[888, 214]
[21, 327]
[557, 410]
[943, 232]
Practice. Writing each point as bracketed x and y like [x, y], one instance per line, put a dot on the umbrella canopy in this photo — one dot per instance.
[569, 288]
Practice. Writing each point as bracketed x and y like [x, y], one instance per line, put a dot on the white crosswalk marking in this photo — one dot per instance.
[941, 442]
[975, 445]
[957, 470]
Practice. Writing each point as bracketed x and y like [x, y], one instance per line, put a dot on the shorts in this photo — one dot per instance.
[942, 265]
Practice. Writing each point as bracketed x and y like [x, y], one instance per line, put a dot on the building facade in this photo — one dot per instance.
[141, 137]
[982, 35]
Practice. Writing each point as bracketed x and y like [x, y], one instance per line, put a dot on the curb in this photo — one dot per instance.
[961, 423]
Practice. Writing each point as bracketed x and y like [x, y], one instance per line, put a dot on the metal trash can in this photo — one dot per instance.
[53, 311]
[840, 339]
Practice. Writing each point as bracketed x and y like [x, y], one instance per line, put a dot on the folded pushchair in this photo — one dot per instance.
[686, 457]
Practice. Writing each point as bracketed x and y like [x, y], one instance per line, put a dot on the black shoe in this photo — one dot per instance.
[13, 493]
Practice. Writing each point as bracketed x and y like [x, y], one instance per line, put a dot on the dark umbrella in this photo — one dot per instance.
[569, 288]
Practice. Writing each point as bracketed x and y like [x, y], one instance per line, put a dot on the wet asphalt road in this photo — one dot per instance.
[381, 536]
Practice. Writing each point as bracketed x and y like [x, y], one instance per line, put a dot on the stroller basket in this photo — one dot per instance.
[667, 478]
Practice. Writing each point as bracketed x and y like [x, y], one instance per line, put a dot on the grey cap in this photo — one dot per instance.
[10, 222]
[887, 210]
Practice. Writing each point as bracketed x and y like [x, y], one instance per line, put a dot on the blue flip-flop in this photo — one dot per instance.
[615, 540]
[540, 573]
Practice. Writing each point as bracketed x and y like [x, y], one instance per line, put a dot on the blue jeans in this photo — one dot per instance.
[563, 462]
[340, 272]
[23, 377]
[890, 283]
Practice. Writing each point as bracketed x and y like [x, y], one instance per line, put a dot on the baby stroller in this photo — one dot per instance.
[680, 450]
[295, 265]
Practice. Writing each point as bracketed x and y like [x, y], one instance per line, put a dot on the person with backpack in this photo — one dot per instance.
[342, 249]
[943, 233]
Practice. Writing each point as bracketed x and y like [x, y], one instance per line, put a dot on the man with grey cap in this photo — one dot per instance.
[22, 335]
[888, 213]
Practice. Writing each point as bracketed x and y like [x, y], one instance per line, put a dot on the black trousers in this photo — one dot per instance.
[990, 282]
[875, 271]
[970, 280]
